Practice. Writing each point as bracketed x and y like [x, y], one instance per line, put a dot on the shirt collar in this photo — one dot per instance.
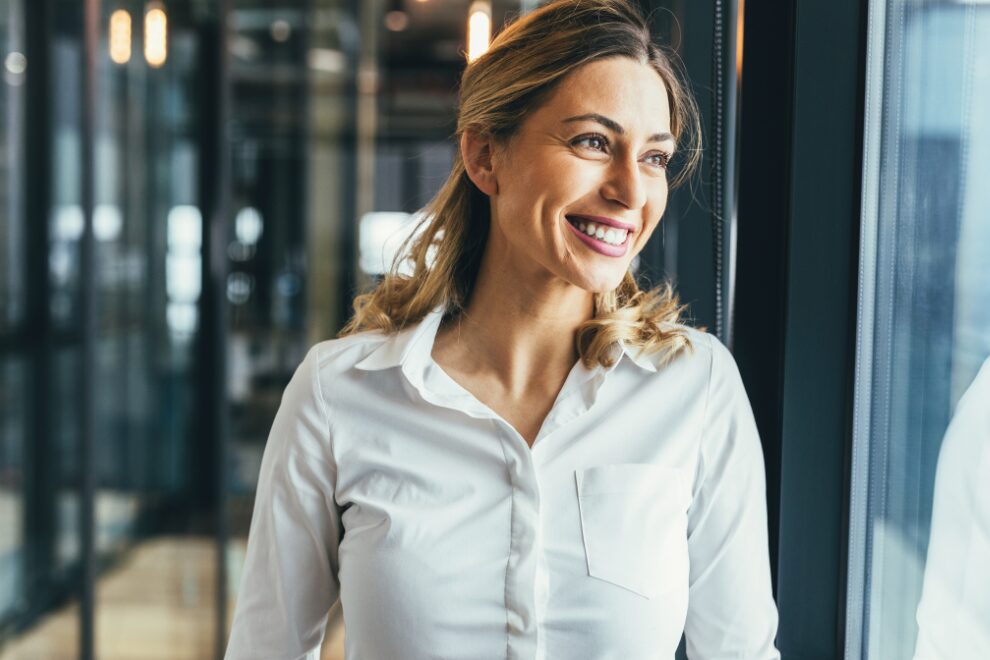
[415, 343]
[411, 349]
[639, 359]
[399, 349]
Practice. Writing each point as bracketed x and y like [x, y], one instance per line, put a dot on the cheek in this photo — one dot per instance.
[657, 206]
[541, 196]
[658, 201]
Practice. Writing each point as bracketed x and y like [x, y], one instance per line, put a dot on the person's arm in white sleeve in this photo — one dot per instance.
[731, 612]
[289, 579]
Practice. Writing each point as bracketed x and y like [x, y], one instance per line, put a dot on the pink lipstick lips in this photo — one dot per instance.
[602, 220]
[597, 244]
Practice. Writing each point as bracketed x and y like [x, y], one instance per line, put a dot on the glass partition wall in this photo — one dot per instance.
[924, 333]
[151, 545]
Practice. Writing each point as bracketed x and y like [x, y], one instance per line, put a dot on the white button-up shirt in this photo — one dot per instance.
[639, 513]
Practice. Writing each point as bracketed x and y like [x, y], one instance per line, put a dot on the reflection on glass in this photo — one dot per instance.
[927, 301]
[954, 612]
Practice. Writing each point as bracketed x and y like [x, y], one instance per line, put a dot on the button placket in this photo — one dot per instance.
[522, 598]
[541, 591]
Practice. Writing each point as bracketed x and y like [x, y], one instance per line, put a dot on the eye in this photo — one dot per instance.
[662, 159]
[592, 140]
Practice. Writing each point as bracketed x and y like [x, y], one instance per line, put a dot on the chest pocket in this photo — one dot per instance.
[634, 525]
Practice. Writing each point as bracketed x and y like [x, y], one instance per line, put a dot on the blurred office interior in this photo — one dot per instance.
[192, 191]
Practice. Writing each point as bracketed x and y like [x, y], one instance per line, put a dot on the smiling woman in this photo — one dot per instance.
[508, 453]
[553, 175]
[572, 92]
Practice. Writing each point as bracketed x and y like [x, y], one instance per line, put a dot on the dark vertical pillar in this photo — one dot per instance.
[348, 256]
[209, 483]
[799, 209]
[820, 333]
[39, 512]
[766, 121]
[87, 522]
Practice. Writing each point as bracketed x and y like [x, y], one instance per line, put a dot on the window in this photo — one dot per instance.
[924, 308]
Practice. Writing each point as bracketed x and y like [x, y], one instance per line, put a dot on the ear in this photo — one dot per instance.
[477, 152]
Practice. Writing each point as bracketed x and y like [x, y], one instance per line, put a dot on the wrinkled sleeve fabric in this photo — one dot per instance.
[289, 580]
[731, 611]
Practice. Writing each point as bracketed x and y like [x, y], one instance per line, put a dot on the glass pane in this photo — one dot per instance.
[14, 383]
[925, 330]
[13, 296]
[153, 524]
[64, 430]
[42, 462]
[65, 222]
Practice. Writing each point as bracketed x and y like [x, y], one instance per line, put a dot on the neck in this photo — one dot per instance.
[518, 328]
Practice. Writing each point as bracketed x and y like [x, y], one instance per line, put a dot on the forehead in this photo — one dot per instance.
[628, 91]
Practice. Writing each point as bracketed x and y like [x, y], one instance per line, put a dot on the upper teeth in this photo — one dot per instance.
[611, 235]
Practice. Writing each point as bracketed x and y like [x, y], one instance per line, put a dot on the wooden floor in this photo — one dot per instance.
[157, 605]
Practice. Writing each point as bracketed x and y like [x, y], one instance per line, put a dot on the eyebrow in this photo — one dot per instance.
[614, 126]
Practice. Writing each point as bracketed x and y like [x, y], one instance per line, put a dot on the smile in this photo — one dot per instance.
[610, 241]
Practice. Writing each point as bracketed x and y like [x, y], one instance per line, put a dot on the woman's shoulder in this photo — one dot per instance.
[701, 352]
[703, 369]
[341, 354]
[709, 352]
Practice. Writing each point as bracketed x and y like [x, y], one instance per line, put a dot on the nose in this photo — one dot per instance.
[624, 183]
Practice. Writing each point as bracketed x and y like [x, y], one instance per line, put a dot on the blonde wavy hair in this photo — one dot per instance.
[523, 66]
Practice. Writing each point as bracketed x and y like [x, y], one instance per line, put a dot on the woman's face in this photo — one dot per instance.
[583, 183]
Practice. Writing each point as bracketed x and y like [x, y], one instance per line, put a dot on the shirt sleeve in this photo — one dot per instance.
[289, 580]
[731, 611]
[954, 611]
